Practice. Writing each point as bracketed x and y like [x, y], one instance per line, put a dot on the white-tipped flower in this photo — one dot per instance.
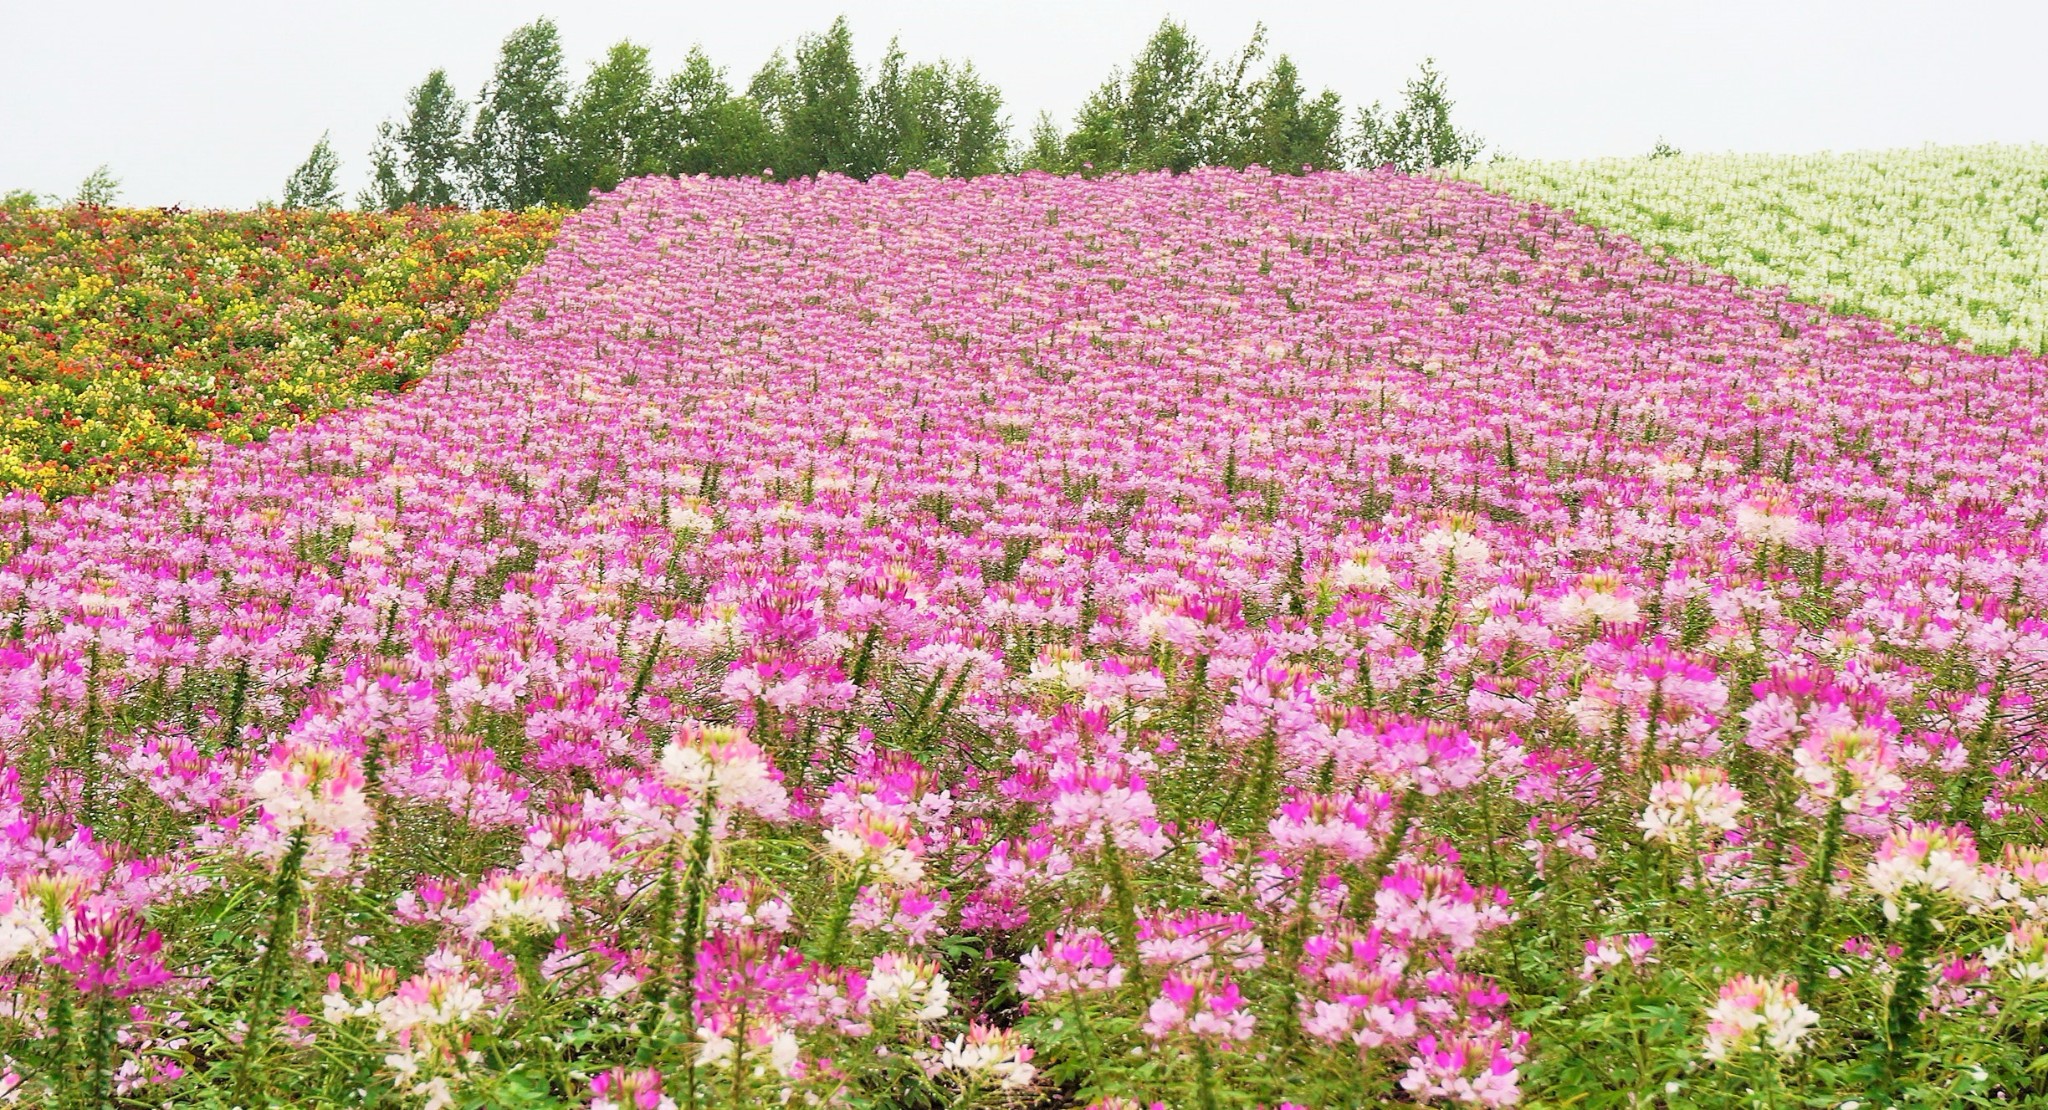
[1926, 861]
[1689, 804]
[1755, 1014]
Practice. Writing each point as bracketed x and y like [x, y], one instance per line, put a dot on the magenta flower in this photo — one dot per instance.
[1199, 1005]
[108, 952]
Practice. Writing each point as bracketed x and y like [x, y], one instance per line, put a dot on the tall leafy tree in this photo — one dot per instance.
[893, 119]
[1173, 109]
[387, 190]
[773, 87]
[312, 185]
[824, 109]
[700, 126]
[1099, 143]
[432, 142]
[516, 147]
[1168, 101]
[978, 134]
[611, 124]
[931, 116]
[1288, 129]
[1420, 134]
[1226, 129]
[419, 161]
[1045, 149]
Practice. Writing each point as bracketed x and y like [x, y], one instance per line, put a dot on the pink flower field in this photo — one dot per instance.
[1211, 641]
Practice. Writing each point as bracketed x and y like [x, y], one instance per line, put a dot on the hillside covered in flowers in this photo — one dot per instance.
[1216, 640]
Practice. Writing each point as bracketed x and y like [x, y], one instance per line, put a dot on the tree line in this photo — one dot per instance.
[534, 137]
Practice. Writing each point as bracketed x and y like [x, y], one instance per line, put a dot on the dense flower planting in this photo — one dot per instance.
[127, 333]
[1949, 238]
[1211, 641]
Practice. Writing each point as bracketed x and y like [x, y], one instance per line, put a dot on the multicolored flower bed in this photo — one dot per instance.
[1953, 239]
[1218, 640]
[126, 334]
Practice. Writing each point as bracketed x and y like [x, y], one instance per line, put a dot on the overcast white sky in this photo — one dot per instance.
[214, 103]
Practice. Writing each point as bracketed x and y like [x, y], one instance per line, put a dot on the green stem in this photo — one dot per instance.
[101, 1091]
[1296, 940]
[1088, 1039]
[1125, 903]
[1404, 817]
[1205, 1077]
[284, 915]
[666, 949]
[237, 697]
[646, 672]
[1649, 757]
[1975, 782]
[739, 1061]
[1909, 991]
[1264, 784]
[89, 752]
[1817, 896]
[694, 892]
[60, 1032]
[663, 933]
[842, 913]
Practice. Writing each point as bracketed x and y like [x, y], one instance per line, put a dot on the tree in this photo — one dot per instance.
[515, 152]
[1174, 110]
[19, 200]
[1419, 136]
[931, 116]
[1099, 143]
[432, 141]
[1168, 103]
[1045, 150]
[1227, 104]
[699, 126]
[773, 87]
[893, 124]
[100, 189]
[387, 190]
[1290, 131]
[421, 160]
[610, 125]
[824, 110]
[312, 184]
[978, 134]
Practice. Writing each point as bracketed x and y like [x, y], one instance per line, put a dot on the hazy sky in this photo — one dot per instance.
[215, 103]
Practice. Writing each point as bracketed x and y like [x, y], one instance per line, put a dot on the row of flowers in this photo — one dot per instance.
[1208, 641]
[1945, 238]
[126, 335]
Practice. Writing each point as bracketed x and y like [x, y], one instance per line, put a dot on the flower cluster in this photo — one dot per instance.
[1755, 1014]
[1690, 803]
[1925, 861]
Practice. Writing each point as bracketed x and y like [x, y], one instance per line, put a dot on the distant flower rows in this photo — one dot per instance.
[1215, 641]
[1950, 238]
[125, 334]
